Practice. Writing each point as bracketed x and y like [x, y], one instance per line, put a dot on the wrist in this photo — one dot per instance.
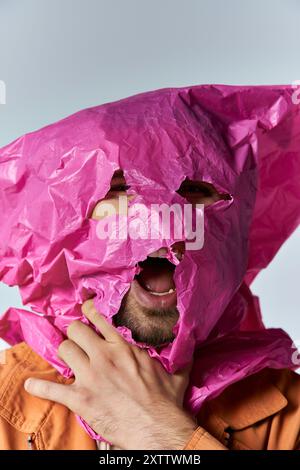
[170, 433]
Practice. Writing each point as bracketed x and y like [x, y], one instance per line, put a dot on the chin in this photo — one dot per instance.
[153, 327]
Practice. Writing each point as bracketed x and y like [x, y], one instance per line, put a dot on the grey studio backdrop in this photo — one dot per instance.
[58, 56]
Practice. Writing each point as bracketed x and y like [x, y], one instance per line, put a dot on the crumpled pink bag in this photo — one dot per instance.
[243, 139]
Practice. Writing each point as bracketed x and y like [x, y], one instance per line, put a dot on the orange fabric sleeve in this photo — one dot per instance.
[202, 440]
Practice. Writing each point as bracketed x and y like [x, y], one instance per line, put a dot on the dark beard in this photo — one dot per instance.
[153, 327]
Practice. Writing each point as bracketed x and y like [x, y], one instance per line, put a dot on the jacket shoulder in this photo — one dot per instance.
[50, 425]
[21, 410]
[20, 356]
[262, 411]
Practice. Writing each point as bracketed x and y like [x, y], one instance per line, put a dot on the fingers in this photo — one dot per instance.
[183, 375]
[186, 371]
[73, 356]
[85, 338]
[181, 380]
[50, 391]
[107, 330]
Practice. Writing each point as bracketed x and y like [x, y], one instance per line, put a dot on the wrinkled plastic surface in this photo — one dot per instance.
[245, 140]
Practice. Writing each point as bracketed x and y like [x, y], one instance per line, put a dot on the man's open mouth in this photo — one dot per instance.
[154, 286]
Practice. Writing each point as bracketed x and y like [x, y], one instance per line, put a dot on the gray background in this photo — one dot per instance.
[58, 56]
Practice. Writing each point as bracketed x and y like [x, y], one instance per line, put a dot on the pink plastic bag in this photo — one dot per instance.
[245, 140]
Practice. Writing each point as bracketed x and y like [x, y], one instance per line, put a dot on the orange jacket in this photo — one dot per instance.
[260, 412]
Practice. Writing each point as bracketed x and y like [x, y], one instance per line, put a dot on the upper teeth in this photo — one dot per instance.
[162, 293]
[158, 253]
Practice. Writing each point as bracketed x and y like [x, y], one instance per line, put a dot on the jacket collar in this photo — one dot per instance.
[249, 401]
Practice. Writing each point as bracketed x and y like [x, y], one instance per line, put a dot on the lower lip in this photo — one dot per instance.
[152, 301]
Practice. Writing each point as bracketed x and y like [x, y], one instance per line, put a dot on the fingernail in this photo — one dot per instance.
[27, 384]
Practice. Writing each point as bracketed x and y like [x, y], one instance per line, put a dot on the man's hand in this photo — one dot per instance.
[119, 390]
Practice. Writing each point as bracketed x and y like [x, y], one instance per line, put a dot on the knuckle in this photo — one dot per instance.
[127, 355]
[44, 388]
[125, 347]
[100, 358]
[73, 327]
[64, 347]
[87, 306]
[93, 315]
[96, 315]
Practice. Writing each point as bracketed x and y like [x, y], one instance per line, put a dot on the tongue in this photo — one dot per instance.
[157, 276]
